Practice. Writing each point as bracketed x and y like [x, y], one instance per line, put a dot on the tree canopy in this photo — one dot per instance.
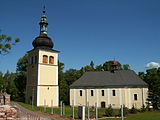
[65, 78]
[6, 43]
[152, 78]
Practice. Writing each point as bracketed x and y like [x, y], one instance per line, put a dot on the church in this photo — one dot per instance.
[104, 88]
[42, 72]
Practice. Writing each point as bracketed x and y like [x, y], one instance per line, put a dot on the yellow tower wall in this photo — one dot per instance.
[42, 79]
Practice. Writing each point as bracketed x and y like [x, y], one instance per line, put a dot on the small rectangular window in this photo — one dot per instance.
[92, 93]
[135, 97]
[102, 92]
[80, 92]
[113, 92]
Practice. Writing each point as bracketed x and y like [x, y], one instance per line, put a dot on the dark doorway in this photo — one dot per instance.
[103, 104]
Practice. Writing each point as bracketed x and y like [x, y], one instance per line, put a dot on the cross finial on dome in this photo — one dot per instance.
[44, 9]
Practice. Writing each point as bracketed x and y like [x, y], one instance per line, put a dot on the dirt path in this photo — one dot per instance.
[25, 114]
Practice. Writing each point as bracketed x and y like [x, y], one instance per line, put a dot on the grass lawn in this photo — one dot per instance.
[68, 110]
[68, 113]
[140, 116]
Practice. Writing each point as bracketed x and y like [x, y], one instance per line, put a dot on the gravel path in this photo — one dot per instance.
[25, 114]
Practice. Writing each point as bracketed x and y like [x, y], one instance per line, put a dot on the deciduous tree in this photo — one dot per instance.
[6, 43]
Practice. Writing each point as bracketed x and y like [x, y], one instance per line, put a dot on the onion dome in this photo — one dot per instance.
[43, 41]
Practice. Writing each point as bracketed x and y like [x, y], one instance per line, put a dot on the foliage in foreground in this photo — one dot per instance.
[140, 116]
[154, 115]
[152, 78]
[133, 110]
[109, 111]
[6, 43]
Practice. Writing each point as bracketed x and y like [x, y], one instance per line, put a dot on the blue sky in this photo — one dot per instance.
[85, 30]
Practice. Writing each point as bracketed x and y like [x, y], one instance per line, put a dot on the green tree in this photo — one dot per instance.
[6, 43]
[88, 68]
[109, 111]
[60, 67]
[22, 64]
[1, 82]
[125, 67]
[71, 76]
[141, 75]
[152, 78]
[21, 77]
[92, 64]
[63, 87]
[64, 91]
[20, 82]
[99, 68]
[9, 85]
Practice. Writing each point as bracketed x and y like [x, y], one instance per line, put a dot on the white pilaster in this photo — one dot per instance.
[86, 97]
[120, 96]
[143, 97]
[97, 95]
[108, 91]
[129, 98]
[74, 98]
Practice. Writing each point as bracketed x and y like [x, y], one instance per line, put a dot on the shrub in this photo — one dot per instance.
[125, 111]
[133, 110]
[109, 111]
[143, 109]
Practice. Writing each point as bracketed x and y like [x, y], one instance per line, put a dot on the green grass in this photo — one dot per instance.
[140, 116]
[68, 110]
[101, 112]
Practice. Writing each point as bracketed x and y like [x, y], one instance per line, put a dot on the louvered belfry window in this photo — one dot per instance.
[45, 59]
[51, 60]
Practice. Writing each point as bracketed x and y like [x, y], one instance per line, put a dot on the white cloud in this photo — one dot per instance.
[152, 65]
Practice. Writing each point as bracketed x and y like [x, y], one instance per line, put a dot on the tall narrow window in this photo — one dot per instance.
[135, 97]
[92, 93]
[36, 60]
[80, 92]
[113, 92]
[102, 92]
[32, 60]
[45, 59]
[51, 60]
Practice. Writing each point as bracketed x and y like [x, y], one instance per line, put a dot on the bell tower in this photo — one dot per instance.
[42, 72]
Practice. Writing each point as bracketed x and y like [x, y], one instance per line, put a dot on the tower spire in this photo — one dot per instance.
[43, 41]
[43, 23]
[44, 10]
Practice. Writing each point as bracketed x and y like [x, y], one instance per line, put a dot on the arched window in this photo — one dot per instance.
[92, 94]
[102, 92]
[103, 104]
[135, 97]
[113, 92]
[51, 60]
[45, 59]
[80, 93]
